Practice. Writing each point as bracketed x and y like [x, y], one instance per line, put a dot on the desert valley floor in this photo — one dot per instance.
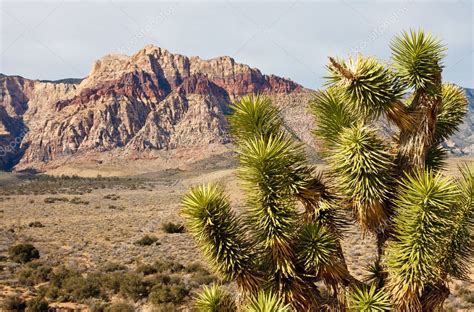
[95, 221]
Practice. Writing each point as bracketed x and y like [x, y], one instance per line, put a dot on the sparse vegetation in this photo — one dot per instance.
[170, 227]
[36, 224]
[70, 185]
[37, 305]
[170, 292]
[13, 304]
[23, 253]
[120, 307]
[147, 240]
[34, 273]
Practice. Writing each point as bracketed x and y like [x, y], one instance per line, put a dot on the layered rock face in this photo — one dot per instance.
[151, 100]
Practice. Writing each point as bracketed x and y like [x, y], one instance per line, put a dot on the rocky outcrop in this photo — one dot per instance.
[152, 100]
[462, 142]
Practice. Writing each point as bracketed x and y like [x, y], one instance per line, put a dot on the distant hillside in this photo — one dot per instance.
[462, 143]
[152, 100]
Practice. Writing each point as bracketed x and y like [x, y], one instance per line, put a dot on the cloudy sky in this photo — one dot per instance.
[59, 39]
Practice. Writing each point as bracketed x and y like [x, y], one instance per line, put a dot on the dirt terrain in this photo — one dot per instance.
[88, 223]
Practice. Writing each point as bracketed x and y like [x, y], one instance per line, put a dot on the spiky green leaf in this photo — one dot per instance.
[451, 112]
[332, 115]
[219, 233]
[417, 58]
[266, 302]
[214, 298]
[254, 116]
[369, 86]
[363, 170]
[369, 299]
[424, 205]
[457, 257]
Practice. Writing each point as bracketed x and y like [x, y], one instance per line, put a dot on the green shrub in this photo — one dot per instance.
[147, 240]
[146, 269]
[203, 278]
[170, 227]
[37, 305]
[160, 278]
[133, 286]
[23, 253]
[163, 293]
[165, 307]
[120, 307]
[13, 303]
[34, 273]
[113, 281]
[113, 267]
[66, 284]
[78, 288]
[95, 305]
[60, 274]
[163, 266]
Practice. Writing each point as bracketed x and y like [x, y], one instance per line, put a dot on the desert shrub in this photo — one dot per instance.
[147, 240]
[36, 224]
[52, 292]
[168, 266]
[34, 273]
[13, 303]
[466, 294]
[203, 278]
[160, 278]
[66, 284]
[146, 269]
[52, 200]
[23, 253]
[79, 288]
[114, 207]
[163, 293]
[79, 201]
[165, 307]
[195, 267]
[170, 227]
[112, 196]
[59, 274]
[96, 305]
[120, 307]
[113, 267]
[133, 286]
[37, 305]
[112, 281]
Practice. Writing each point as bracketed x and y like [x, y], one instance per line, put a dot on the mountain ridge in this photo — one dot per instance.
[151, 100]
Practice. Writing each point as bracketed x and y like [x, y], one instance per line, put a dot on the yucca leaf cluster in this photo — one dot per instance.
[286, 245]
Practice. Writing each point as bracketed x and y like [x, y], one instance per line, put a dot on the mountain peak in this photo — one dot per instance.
[150, 100]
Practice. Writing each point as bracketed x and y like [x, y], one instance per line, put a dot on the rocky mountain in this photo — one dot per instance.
[152, 100]
[462, 143]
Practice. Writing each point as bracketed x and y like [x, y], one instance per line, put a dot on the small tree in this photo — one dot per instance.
[391, 182]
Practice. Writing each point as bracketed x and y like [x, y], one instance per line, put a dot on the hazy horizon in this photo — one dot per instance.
[61, 39]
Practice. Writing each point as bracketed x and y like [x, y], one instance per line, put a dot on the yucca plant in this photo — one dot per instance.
[287, 243]
[215, 298]
[369, 299]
